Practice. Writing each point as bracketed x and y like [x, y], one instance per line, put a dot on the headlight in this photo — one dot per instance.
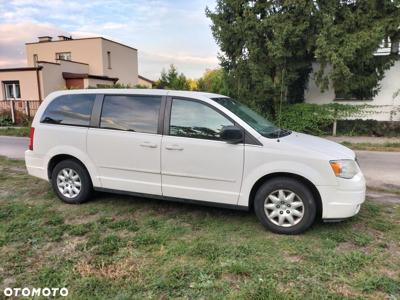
[344, 168]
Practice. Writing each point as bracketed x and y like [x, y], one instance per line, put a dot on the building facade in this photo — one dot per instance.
[385, 105]
[69, 63]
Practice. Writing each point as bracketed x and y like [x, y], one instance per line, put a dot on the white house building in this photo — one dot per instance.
[386, 102]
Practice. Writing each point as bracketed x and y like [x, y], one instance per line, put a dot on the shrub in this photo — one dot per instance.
[314, 118]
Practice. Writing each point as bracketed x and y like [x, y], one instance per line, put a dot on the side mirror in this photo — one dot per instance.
[232, 134]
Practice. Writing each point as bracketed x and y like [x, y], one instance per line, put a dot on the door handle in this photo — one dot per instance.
[148, 145]
[174, 147]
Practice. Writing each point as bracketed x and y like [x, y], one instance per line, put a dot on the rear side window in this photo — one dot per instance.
[74, 109]
[132, 113]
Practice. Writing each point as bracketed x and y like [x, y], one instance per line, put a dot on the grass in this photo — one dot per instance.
[14, 131]
[122, 247]
[391, 147]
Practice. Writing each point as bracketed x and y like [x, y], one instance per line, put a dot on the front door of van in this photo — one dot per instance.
[195, 163]
[126, 146]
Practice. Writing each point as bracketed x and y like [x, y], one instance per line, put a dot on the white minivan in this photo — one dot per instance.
[194, 147]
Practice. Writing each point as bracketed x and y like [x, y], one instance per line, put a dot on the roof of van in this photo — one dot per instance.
[140, 92]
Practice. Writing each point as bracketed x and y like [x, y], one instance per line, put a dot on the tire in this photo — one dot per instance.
[278, 219]
[72, 182]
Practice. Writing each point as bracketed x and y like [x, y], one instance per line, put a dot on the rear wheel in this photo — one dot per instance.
[285, 205]
[71, 182]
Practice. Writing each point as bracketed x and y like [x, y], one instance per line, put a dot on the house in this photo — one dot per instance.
[145, 82]
[70, 63]
[386, 102]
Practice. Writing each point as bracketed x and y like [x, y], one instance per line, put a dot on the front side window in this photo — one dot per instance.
[196, 120]
[131, 113]
[12, 90]
[74, 109]
[63, 55]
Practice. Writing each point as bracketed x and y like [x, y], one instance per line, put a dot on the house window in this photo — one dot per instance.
[35, 59]
[63, 56]
[12, 89]
[109, 59]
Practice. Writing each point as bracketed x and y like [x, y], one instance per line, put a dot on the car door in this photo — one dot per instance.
[126, 145]
[196, 163]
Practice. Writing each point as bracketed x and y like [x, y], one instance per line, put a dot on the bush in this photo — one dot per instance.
[20, 117]
[316, 119]
[368, 128]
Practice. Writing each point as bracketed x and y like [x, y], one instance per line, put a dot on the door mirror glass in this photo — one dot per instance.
[232, 134]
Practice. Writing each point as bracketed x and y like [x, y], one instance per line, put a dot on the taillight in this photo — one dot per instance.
[31, 134]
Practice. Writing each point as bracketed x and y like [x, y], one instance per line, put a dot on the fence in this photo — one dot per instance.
[18, 109]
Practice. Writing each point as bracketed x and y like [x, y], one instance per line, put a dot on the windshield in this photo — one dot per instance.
[255, 120]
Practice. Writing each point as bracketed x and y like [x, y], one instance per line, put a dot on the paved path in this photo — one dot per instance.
[382, 169]
[13, 147]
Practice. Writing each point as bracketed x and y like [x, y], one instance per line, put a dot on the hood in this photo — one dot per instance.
[316, 144]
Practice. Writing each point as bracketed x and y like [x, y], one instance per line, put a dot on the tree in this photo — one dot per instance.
[171, 79]
[350, 33]
[268, 47]
[214, 81]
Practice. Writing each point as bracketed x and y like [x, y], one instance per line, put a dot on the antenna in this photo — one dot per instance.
[280, 100]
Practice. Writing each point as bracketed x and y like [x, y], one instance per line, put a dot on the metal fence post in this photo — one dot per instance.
[12, 111]
[27, 109]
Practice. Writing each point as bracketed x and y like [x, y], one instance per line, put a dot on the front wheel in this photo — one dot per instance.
[285, 205]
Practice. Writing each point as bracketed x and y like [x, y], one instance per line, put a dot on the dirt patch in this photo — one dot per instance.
[342, 289]
[383, 197]
[119, 270]
[293, 258]
[7, 282]
[67, 247]
[14, 169]
[82, 220]
[346, 247]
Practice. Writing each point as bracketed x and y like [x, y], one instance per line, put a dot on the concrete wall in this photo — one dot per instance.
[51, 75]
[124, 62]
[82, 50]
[92, 51]
[27, 82]
[383, 100]
[93, 82]
[144, 83]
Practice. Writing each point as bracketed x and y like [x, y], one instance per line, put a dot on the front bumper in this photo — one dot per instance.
[345, 199]
[35, 165]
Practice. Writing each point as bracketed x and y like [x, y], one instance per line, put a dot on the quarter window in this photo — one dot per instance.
[196, 120]
[12, 90]
[132, 113]
[74, 109]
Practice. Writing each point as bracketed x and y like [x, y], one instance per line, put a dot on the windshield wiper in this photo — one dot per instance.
[277, 133]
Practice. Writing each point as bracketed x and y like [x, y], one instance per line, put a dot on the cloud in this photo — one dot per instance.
[164, 32]
[14, 36]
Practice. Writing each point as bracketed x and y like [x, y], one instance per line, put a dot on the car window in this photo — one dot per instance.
[73, 109]
[133, 113]
[196, 120]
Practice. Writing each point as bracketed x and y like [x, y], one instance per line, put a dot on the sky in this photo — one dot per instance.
[164, 32]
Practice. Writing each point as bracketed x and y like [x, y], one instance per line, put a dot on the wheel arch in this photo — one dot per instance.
[300, 178]
[58, 158]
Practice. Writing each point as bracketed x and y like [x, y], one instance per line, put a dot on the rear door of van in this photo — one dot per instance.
[125, 146]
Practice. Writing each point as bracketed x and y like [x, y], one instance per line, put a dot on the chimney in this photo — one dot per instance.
[43, 39]
[64, 38]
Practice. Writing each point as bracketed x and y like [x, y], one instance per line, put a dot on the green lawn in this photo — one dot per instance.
[390, 147]
[15, 131]
[130, 248]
